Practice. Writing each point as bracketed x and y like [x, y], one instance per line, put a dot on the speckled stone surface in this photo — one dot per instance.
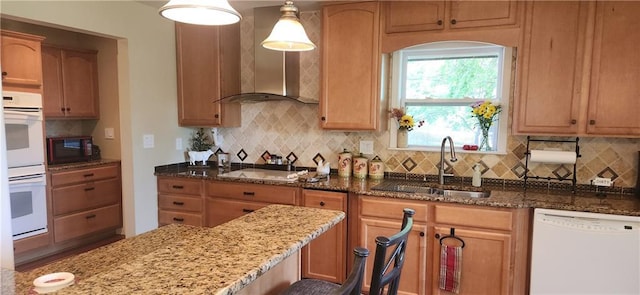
[182, 259]
[76, 165]
[584, 202]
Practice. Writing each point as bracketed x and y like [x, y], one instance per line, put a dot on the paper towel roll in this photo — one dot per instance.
[558, 157]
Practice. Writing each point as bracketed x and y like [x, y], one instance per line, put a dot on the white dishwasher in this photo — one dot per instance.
[584, 253]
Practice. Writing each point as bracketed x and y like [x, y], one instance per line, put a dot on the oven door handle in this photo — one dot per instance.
[26, 113]
[37, 179]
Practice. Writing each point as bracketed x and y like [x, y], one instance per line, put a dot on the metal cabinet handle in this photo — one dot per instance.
[178, 219]
[322, 204]
[90, 216]
[247, 210]
[177, 187]
[249, 193]
[88, 175]
[86, 189]
[178, 203]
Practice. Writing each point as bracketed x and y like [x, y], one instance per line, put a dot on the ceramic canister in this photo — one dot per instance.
[360, 166]
[344, 164]
[376, 169]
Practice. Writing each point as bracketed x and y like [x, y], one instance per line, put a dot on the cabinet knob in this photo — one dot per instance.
[321, 203]
[216, 116]
[68, 109]
[4, 74]
[323, 118]
[453, 21]
[573, 122]
[422, 234]
[62, 110]
[592, 122]
[437, 236]
[439, 22]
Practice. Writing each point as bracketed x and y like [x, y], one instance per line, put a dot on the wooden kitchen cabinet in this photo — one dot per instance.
[383, 217]
[613, 92]
[324, 257]
[180, 200]
[552, 61]
[70, 83]
[229, 200]
[494, 259]
[208, 61]
[21, 62]
[351, 67]
[576, 62]
[85, 202]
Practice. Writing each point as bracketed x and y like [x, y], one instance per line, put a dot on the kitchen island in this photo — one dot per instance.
[181, 259]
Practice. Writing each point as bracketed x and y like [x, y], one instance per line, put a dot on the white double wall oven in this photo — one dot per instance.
[23, 122]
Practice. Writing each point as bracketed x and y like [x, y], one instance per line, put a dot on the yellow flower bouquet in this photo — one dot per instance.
[485, 112]
[405, 121]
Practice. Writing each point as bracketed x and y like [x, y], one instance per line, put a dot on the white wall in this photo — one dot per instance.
[147, 88]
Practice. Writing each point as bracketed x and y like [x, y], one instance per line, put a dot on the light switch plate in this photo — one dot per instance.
[109, 133]
[147, 141]
[366, 147]
[179, 144]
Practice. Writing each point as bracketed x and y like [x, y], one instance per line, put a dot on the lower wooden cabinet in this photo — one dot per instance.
[325, 258]
[494, 259]
[180, 200]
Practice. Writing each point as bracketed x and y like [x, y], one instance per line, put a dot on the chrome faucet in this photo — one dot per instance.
[441, 173]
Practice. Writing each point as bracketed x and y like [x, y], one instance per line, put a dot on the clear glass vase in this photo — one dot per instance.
[485, 143]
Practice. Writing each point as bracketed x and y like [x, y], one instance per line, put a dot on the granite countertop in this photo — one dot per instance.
[181, 259]
[500, 197]
[76, 165]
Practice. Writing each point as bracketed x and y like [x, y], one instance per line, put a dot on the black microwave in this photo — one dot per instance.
[69, 149]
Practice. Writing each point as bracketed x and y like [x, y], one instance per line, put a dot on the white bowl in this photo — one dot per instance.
[53, 282]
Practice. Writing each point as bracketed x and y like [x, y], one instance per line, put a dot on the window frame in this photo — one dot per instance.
[463, 48]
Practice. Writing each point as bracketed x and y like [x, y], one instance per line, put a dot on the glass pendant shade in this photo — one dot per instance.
[200, 12]
[288, 33]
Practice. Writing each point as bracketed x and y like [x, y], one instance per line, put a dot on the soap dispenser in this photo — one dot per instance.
[477, 176]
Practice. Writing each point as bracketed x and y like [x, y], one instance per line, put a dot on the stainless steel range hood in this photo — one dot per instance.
[277, 73]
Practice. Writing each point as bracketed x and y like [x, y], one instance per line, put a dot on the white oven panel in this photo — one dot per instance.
[28, 205]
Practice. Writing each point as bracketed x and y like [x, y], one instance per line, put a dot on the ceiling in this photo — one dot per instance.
[246, 7]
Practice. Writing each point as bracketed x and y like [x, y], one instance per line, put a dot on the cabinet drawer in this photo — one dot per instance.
[178, 203]
[85, 196]
[80, 175]
[253, 192]
[169, 217]
[220, 211]
[179, 186]
[392, 208]
[324, 200]
[87, 222]
[474, 217]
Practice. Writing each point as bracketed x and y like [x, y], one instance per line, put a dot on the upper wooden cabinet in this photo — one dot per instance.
[552, 60]
[70, 83]
[408, 23]
[613, 93]
[208, 60]
[21, 62]
[351, 67]
[572, 84]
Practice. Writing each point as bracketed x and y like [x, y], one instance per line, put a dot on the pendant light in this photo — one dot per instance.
[288, 33]
[201, 12]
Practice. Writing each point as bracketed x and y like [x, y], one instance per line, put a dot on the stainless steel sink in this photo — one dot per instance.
[416, 187]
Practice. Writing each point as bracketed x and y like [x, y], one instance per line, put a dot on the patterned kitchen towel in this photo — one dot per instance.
[450, 268]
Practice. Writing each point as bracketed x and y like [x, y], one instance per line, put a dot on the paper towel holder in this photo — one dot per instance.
[549, 178]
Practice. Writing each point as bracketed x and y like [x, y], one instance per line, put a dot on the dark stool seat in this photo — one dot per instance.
[351, 286]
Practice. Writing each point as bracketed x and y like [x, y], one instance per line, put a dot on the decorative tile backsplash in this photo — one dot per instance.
[287, 127]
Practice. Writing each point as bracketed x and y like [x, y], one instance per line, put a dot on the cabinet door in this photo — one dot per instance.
[208, 62]
[413, 16]
[414, 270]
[324, 257]
[220, 211]
[551, 78]
[613, 97]
[474, 14]
[21, 61]
[485, 263]
[87, 222]
[350, 66]
[80, 84]
[52, 95]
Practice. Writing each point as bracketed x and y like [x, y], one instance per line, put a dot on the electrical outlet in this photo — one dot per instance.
[602, 181]
[147, 141]
[366, 147]
[109, 133]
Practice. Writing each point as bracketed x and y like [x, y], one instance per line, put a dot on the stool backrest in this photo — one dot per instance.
[387, 268]
[353, 284]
